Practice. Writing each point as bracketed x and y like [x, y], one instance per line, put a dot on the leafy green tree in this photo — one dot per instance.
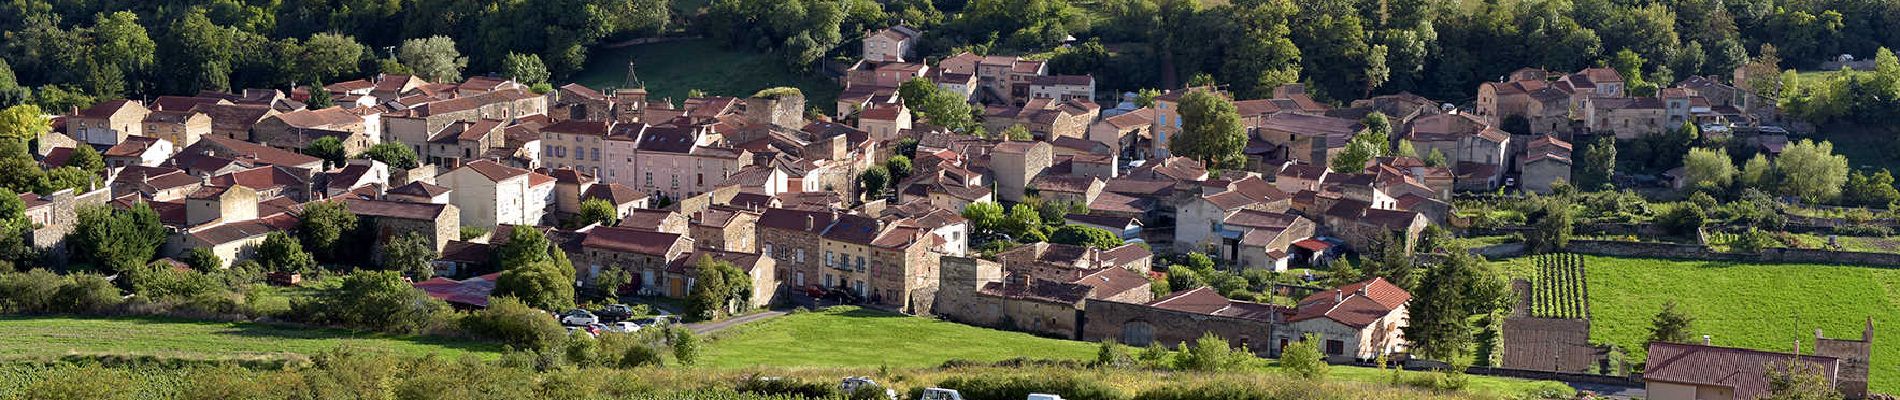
[22, 123]
[1023, 221]
[393, 154]
[915, 90]
[1459, 287]
[108, 241]
[1407, 150]
[281, 253]
[327, 229]
[1018, 133]
[380, 300]
[328, 56]
[120, 48]
[598, 211]
[1303, 359]
[434, 58]
[1436, 159]
[709, 296]
[1358, 152]
[1553, 227]
[525, 68]
[410, 254]
[328, 148]
[203, 259]
[1709, 167]
[1085, 236]
[1671, 325]
[900, 168]
[320, 99]
[534, 271]
[1870, 190]
[87, 159]
[685, 346]
[1212, 354]
[1811, 171]
[1183, 278]
[86, 293]
[1793, 380]
[1597, 164]
[984, 216]
[874, 180]
[508, 320]
[1210, 130]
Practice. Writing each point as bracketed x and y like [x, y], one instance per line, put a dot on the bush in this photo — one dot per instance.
[1304, 359]
[685, 346]
[510, 321]
[29, 292]
[789, 387]
[86, 293]
[1682, 220]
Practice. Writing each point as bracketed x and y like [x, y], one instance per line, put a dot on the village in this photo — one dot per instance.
[1028, 202]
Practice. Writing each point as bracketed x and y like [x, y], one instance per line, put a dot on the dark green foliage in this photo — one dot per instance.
[110, 240]
[718, 288]
[1017, 386]
[1682, 220]
[396, 155]
[685, 345]
[377, 300]
[873, 181]
[281, 253]
[85, 158]
[1085, 236]
[1671, 325]
[1210, 130]
[1303, 359]
[1596, 165]
[510, 321]
[1458, 287]
[329, 231]
[328, 148]
[534, 271]
[1552, 227]
[411, 254]
[598, 211]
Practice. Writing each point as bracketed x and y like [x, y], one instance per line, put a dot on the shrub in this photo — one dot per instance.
[510, 321]
[1304, 359]
[1015, 386]
[86, 293]
[685, 346]
[789, 387]
[29, 292]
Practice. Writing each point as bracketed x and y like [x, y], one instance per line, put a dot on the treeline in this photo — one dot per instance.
[61, 49]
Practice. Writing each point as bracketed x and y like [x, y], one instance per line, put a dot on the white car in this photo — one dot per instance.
[1040, 396]
[941, 394]
[579, 318]
[851, 384]
[573, 329]
[623, 327]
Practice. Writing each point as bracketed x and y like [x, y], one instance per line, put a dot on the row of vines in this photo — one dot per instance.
[1559, 289]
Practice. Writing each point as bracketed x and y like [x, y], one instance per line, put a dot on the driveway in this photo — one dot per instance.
[703, 328]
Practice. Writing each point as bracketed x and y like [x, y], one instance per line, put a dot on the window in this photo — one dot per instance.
[828, 258]
[801, 255]
[1335, 347]
[594, 153]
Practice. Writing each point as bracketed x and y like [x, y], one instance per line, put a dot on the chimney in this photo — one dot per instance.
[1706, 340]
[1817, 334]
[809, 222]
[1339, 296]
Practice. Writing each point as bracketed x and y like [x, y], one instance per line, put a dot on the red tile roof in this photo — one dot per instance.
[631, 240]
[1203, 300]
[1356, 305]
[494, 171]
[1744, 370]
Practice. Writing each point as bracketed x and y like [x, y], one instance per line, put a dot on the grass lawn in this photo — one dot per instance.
[849, 337]
[1756, 306]
[56, 336]
[670, 69]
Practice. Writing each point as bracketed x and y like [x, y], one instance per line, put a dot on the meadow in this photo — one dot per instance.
[49, 337]
[1760, 306]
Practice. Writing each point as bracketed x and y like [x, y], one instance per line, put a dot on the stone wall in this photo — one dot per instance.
[1139, 325]
[1700, 252]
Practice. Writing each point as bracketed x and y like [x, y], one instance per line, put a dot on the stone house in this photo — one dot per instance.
[357, 129]
[1265, 239]
[1015, 164]
[1543, 105]
[1360, 225]
[181, 128]
[1067, 188]
[904, 268]
[792, 238]
[388, 220]
[1129, 135]
[234, 121]
[490, 194]
[681, 274]
[270, 182]
[645, 254]
[625, 199]
[1062, 87]
[1546, 161]
[1038, 305]
[1045, 118]
[419, 192]
[726, 229]
[961, 83]
[1359, 321]
[107, 123]
[1002, 78]
[1183, 317]
[1167, 118]
[232, 242]
[1306, 138]
[578, 102]
[675, 162]
[1294, 177]
[884, 74]
[567, 145]
[1066, 263]
[884, 122]
[1198, 222]
[463, 141]
[143, 151]
[891, 44]
[1461, 137]
[155, 184]
[415, 125]
[230, 150]
[1627, 117]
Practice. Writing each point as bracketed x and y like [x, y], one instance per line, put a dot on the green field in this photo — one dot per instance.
[670, 69]
[849, 337]
[1756, 306]
[57, 336]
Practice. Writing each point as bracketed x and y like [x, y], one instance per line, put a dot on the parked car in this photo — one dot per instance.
[572, 329]
[814, 291]
[623, 327]
[842, 296]
[940, 394]
[1039, 396]
[616, 312]
[851, 384]
[657, 321]
[579, 318]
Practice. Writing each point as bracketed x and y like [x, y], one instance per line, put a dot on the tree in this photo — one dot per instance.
[433, 58]
[327, 56]
[1212, 354]
[1597, 165]
[22, 123]
[120, 48]
[320, 99]
[1683, 220]
[1875, 190]
[328, 148]
[900, 168]
[1210, 130]
[110, 241]
[598, 211]
[203, 259]
[707, 299]
[327, 229]
[1757, 173]
[1671, 325]
[1183, 278]
[87, 159]
[411, 255]
[915, 90]
[1811, 171]
[1407, 150]
[534, 271]
[281, 253]
[949, 110]
[1436, 159]
[1709, 167]
[1304, 360]
[379, 300]
[685, 346]
[1459, 287]
[1796, 380]
[393, 154]
[1085, 236]
[508, 320]
[525, 68]
[874, 180]
[1358, 152]
[1018, 132]
[1023, 222]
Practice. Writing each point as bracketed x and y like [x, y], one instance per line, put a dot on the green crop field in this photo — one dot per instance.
[1765, 307]
[670, 69]
[57, 336]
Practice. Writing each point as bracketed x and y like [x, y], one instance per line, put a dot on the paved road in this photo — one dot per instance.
[1611, 391]
[702, 328]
